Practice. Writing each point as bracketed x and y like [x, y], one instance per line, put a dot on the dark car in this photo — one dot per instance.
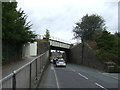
[54, 60]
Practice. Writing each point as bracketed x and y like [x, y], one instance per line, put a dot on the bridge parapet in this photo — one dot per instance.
[59, 44]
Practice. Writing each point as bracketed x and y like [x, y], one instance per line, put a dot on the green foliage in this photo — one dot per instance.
[89, 25]
[106, 41]
[117, 34]
[114, 69]
[92, 30]
[14, 26]
[108, 47]
[47, 35]
[93, 45]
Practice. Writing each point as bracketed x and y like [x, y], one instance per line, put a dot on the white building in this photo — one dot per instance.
[29, 49]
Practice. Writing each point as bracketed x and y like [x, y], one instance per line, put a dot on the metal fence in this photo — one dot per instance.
[27, 76]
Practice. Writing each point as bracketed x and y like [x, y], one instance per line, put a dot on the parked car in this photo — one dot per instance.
[60, 62]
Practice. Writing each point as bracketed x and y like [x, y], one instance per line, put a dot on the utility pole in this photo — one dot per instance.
[119, 28]
[82, 50]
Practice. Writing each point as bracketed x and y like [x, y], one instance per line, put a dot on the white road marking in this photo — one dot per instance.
[114, 77]
[83, 76]
[56, 77]
[100, 86]
[107, 74]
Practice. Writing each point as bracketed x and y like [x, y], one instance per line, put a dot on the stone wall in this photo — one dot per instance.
[89, 57]
[42, 46]
[75, 54]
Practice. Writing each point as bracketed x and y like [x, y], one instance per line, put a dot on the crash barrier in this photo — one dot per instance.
[27, 76]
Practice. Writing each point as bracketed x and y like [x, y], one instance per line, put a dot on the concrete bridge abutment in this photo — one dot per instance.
[89, 57]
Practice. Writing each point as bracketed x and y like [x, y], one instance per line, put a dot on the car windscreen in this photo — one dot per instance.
[61, 61]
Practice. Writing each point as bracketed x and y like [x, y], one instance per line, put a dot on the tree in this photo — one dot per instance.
[47, 35]
[15, 32]
[106, 41]
[15, 29]
[88, 26]
[117, 34]
[88, 29]
[108, 47]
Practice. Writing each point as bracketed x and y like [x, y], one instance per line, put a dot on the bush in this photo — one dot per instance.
[113, 69]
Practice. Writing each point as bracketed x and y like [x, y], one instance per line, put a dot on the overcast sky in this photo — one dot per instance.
[59, 16]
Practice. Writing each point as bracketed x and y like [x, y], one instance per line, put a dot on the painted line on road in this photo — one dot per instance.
[56, 77]
[100, 86]
[107, 74]
[83, 76]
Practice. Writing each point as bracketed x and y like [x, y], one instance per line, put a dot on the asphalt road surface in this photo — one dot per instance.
[76, 76]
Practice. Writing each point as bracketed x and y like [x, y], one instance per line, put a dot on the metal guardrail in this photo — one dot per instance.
[28, 75]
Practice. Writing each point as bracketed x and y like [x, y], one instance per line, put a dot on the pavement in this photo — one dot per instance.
[48, 79]
[76, 76]
[9, 68]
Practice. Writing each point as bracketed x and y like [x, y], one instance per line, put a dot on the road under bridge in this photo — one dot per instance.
[75, 75]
